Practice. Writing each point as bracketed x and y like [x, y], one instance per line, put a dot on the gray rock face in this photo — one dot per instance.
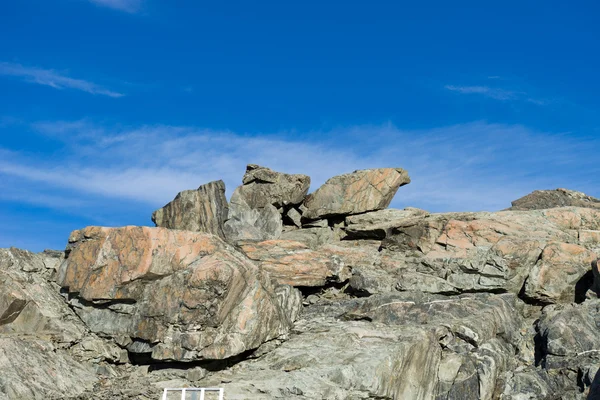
[493, 252]
[36, 369]
[29, 304]
[255, 208]
[202, 210]
[38, 331]
[541, 199]
[389, 347]
[247, 223]
[262, 186]
[355, 193]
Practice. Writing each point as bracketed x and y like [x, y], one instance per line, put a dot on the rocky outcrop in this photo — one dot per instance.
[202, 210]
[394, 346]
[37, 331]
[541, 199]
[176, 295]
[257, 206]
[355, 193]
[493, 252]
[325, 297]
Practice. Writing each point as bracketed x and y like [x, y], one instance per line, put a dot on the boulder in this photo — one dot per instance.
[255, 208]
[541, 199]
[262, 186]
[175, 295]
[355, 193]
[202, 210]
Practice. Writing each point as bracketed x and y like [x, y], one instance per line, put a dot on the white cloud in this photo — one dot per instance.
[473, 166]
[494, 93]
[49, 77]
[130, 6]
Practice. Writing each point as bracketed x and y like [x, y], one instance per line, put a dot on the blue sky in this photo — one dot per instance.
[108, 108]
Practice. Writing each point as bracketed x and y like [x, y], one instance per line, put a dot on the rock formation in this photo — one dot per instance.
[541, 199]
[177, 295]
[325, 296]
[200, 210]
[257, 205]
[355, 193]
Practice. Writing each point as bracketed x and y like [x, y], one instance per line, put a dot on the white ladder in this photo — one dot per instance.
[194, 391]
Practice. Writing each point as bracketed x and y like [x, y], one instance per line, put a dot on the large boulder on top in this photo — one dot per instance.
[200, 210]
[541, 199]
[256, 207]
[175, 295]
[262, 186]
[355, 193]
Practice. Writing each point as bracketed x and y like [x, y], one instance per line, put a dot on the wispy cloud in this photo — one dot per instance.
[494, 93]
[130, 6]
[54, 79]
[471, 166]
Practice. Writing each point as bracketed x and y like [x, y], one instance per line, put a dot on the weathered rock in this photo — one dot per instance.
[554, 277]
[246, 223]
[294, 217]
[541, 199]
[202, 210]
[294, 263]
[395, 347]
[354, 193]
[569, 346]
[29, 304]
[36, 328]
[188, 295]
[379, 224]
[494, 251]
[35, 369]
[262, 186]
[254, 210]
[569, 334]
[332, 360]
[317, 223]
[312, 237]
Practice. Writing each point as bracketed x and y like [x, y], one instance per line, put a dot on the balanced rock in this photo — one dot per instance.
[256, 207]
[200, 210]
[176, 295]
[355, 193]
[541, 199]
